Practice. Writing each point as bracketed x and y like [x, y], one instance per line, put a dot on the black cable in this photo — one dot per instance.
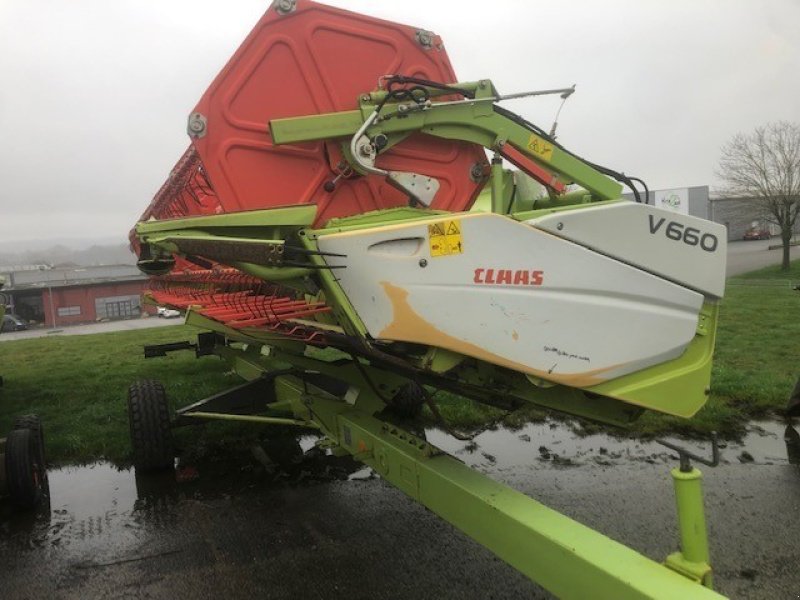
[408, 93]
[404, 79]
[646, 189]
[511, 200]
[419, 87]
[426, 397]
[621, 177]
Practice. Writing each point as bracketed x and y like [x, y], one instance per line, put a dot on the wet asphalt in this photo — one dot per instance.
[318, 527]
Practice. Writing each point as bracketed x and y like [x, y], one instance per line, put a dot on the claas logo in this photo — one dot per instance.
[508, 277]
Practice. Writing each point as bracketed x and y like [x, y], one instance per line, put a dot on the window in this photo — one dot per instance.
[119, 310]
[68, 311]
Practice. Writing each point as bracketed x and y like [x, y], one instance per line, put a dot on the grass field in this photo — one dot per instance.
[78, 384]
[757, 359]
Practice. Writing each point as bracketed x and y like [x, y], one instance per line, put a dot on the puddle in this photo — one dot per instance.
[100, 500]
[551, 444]
[100, 507]
[109, 533]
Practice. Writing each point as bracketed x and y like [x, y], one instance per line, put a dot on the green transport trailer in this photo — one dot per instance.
[345, 231]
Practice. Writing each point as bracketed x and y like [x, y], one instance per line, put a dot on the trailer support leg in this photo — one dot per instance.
[693, 560]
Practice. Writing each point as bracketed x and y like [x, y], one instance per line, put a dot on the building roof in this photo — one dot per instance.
[44, 278]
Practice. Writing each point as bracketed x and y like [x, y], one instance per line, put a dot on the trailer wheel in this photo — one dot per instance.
[408, 401]
[25, 474]
[151, 435]
[34, 423]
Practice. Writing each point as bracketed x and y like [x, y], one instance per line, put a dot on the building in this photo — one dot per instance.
[687, 201]
[738, 214]
[67, 296]
[741, 214]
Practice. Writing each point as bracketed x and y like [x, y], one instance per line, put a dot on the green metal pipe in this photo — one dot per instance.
[497, 185]
[472, 122]
[472, 86]
[272, 273]
[692, 522]
[251, 419]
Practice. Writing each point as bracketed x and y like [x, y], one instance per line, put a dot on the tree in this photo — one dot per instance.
[765, 165]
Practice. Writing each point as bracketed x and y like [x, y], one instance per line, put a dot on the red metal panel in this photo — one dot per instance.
[316, 59]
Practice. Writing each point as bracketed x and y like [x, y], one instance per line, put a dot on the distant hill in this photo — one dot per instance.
[98, 254]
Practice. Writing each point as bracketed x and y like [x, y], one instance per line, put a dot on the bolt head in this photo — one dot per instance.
[425, 38]
[423, 263]
[560, 226]
[285, 6]
[196, 125]
[478, 172]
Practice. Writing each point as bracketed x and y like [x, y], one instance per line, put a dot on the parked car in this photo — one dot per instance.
[167, 313]
[756, 233]
[13, 323]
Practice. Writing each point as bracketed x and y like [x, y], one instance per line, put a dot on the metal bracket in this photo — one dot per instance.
[249, 398]
[696, 571]
[156, 350]
[684, 455]
[420, 188]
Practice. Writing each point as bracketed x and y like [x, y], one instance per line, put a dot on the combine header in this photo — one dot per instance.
[337, 195]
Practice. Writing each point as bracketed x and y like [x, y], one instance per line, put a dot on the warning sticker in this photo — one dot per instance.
[445, 238]
[540, 147]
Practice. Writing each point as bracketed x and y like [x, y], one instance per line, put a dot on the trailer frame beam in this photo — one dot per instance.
[560, 554]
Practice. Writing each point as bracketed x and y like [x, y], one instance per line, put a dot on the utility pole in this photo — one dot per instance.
[52, 310]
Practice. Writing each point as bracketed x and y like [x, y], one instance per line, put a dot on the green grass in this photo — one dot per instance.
[78, 384]
[758, 344]
[756, 358]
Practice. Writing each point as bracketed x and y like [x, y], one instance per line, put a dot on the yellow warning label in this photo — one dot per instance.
[445, 238]
[436, 229]
[540, 147]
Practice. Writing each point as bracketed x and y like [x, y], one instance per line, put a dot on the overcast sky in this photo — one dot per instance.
[94, 94]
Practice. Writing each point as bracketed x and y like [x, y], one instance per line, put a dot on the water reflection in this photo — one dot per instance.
[112, 503]
[553, 445]
[792, 439]
[92, 500]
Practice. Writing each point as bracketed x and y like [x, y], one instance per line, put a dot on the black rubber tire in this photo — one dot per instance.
[34, 423]
[151, 433]
[25, 475]
[408, 401]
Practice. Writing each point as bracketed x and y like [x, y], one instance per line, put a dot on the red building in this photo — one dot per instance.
[57, 297]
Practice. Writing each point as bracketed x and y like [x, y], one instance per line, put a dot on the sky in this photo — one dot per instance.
[94, 94]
